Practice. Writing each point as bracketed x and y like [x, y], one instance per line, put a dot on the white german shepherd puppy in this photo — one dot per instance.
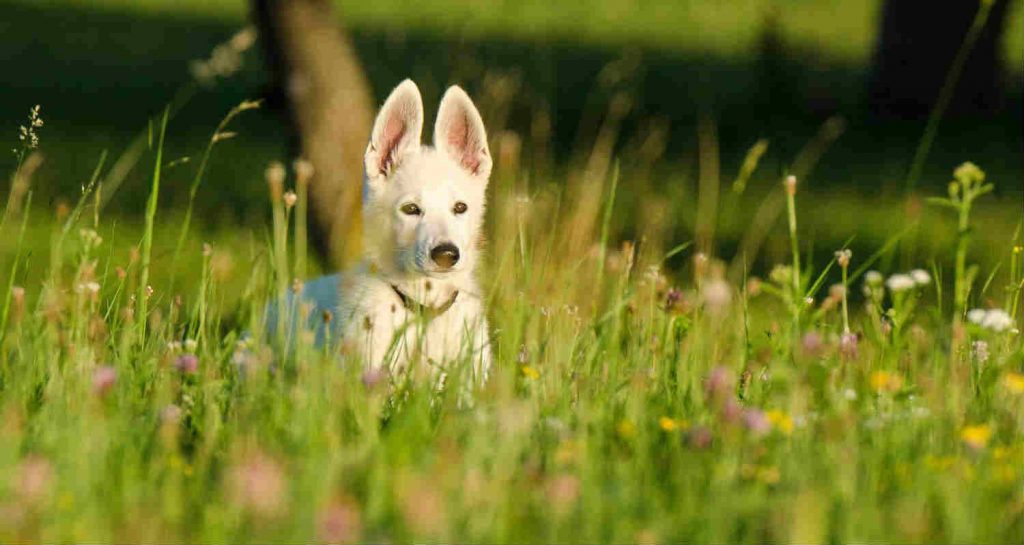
[415, 300]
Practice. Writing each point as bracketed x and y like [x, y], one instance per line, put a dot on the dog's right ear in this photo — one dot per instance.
[396, 131]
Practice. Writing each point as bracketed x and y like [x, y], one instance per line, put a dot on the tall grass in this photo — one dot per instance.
[628, 402]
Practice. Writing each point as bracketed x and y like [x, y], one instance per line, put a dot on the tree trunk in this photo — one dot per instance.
[319, 84]
[917, 42]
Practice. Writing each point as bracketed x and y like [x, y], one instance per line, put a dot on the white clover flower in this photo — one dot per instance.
[900, 282]
[873, 278]
[997, 320]
[921, 277]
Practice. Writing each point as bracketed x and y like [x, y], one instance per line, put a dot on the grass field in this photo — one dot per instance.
[681, 354]
[627, 403]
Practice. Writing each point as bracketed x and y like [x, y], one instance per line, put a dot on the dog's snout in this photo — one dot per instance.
[446, 255]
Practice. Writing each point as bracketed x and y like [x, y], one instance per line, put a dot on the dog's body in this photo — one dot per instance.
[415, 298]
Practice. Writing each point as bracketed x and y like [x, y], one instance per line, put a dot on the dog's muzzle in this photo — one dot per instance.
[445, 255]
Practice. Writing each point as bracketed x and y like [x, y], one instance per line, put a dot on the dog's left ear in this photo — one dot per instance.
[459, 132]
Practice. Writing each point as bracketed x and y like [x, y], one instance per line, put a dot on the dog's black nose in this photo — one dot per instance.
[445, 255]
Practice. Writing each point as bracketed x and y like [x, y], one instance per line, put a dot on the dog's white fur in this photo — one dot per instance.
[372, 321]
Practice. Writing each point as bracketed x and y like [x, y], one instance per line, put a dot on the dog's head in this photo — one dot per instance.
[423, 206]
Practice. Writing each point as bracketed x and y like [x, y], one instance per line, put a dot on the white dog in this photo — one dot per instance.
[415, 298]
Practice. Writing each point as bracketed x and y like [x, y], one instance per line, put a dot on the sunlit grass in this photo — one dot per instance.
[640, 392]
[834, 29]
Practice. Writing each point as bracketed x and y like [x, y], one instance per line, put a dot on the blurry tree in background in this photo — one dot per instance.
[917, 43]
[319, 84]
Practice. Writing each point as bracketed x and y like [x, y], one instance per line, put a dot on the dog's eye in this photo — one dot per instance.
[460, 208]
[410, 209]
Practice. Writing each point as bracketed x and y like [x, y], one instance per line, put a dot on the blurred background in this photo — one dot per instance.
[839, 91]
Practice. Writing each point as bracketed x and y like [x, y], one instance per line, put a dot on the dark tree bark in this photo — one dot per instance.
[917, 43]
[319, 84]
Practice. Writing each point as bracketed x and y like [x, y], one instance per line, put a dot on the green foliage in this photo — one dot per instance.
[624, 405]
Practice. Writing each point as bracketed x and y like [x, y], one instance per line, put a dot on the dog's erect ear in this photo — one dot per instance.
[396, 130]
[459, 132]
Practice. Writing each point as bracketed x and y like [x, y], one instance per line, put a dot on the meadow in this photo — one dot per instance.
[713, 349]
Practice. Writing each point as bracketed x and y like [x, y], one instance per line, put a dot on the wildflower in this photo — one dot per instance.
[34, 479]
[921, 277]
[562, 492]
[700, 437]
[668, 424]
[843, 258]
[873, 278]
[811, 343]
[340, 522]
[757, 422]
[997, 320]
[781, 274]
[149, 291]
[170, 414]
[28, 135]
[423, 506]
[174, 347]
[17, 302]
[780, 421]
[993, 319]
[976, 316]
[790, 185]
[979, 349]
[716, 294]
[530, 372]
[900, 282]
[187, 364]
[848, 345]
[275, 175]
[674, 302]
[719, 383]
[753, 286]
[884, 381]
[625, 429]
[290, 199]
[258, 484]
[372, 377]
[730, 411]
[976, 437]
[303, 171]
[1014, 382]
[850, 394]
[103, 379]
[190, 345]
[90, 238]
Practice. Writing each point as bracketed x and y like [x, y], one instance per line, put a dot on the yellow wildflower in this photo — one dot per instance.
[884, 381]
[1013, 382]
[668, 424]
[780, 421]
[566, 453]
[531, 372]
[977, 436]
[626, 429]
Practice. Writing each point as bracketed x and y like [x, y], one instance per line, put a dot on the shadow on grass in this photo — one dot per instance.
[99, 75]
